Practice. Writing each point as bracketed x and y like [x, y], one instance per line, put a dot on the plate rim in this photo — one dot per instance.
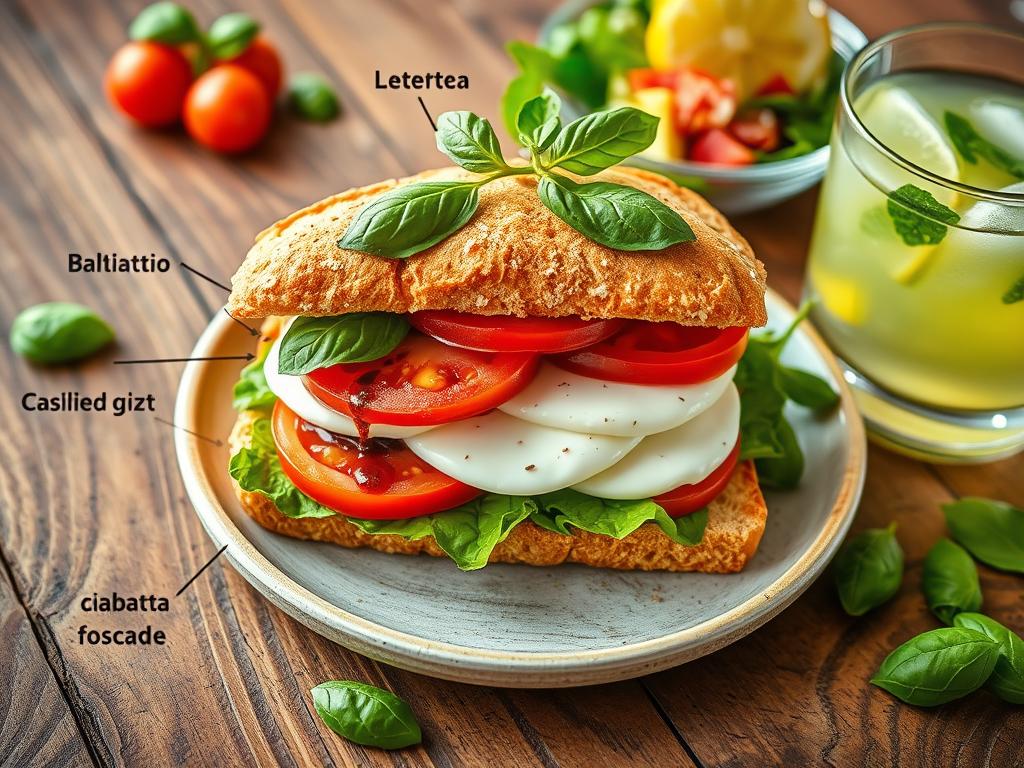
[514, 668]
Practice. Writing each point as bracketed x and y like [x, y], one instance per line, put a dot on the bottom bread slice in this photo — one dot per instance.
[736, 521]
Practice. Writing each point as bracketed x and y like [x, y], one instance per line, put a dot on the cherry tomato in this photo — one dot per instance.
[262, 60]
[380, 480]
[501, 333]
[659, 353]
[423, 382]
[645, 77]
[757, 128]
[148, 82]
[703, 101]
[227, 109]
[718, 147]
[689, 498]
[775, 86]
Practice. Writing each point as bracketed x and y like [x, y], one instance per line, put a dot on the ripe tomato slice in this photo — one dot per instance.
[501, 333]
[689, 498]
[380, 480]
[757, 128]
[659, 353]
[423, 381]
[717, 146]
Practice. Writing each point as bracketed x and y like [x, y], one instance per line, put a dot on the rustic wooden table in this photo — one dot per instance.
[95, 504]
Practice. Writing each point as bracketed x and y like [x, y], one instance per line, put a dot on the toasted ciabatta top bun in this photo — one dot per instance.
[514, 257]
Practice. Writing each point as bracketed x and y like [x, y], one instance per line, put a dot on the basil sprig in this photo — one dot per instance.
[992, 531]
[412, 218]
[950, 581]
[868, 570]
[1007, 679]
[319, 342]
[971, 145]
[366, 714]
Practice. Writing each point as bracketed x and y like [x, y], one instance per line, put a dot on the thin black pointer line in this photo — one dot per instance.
[427, 113]
[205, 277]
[249, 356]
[208, 564]
[189, 431]
[249, 328]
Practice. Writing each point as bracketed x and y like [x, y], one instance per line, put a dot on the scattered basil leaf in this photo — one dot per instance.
[468, 534]
[258, 469]
[58, 332]
[251, 390]
[918, 217]
[938, 666]
[992, 531]
[311, 97]
[601, 139]
[366, 714]
[808, 390]
[412, 218]
[950, 581]
[165, 22]
[970, 144]
[231, 34]
[319, 342]
[538, 122]
[786, 470]
[1016, 292]
[868, 570]
[614, 215]
[1007, 679]
[469, 141]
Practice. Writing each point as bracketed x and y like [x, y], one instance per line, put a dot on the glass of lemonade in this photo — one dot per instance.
[917, 257]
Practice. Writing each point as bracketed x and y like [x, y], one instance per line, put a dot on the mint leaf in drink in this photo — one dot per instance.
[470, 142]
[919, 218]
[601, 139]
[971, 145]
[1016, 292]
[538, 122]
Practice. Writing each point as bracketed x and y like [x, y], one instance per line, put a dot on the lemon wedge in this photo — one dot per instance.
[747, 41]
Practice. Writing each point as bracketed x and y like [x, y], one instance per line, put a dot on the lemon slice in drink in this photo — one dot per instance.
[747, 41]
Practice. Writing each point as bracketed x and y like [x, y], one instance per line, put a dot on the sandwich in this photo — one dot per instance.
[486, 375]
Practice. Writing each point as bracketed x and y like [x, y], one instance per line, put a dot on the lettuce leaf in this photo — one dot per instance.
[251, 390]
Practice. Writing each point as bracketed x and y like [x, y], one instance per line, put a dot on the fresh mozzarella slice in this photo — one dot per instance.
[680, 456]
[502, 454]
[565, 400]
[295, 395]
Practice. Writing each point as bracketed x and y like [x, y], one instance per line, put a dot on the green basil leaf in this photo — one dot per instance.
[311, 97]
[602, 139]
[231, 34]
[614, 215]
[468, 534]
[868, 570]
[411, 218]
[366, 714]
[165, 22]
[251, 390]
[58, 332]
[536, 66]
[258, 469]
[539, 121]
[1016, 292]
[469, 141]
[808, 390]
[950, 581]
[786, 470]
[938, 666]
[919, 218]
[1007, 679]
[971, 144]
[992, 531]
[312, 343]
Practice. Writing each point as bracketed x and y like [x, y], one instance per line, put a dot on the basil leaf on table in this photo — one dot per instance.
[1007, 679]
[251, 390]
[806, 389]
[992, 531]
[258, 469]
[58, 332]
[868, 570]
[311, 97]
[950, 581]
[938, 666]
[602, 139]
[318, 342]
[918, 217]
[469, 141]
[538, 121]
[231, 34]
[614, 215]
[366, 714]
[412, 218]
[971, 144]
[165, 22]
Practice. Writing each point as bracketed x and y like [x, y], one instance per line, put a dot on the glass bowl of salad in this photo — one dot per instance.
[746, 104]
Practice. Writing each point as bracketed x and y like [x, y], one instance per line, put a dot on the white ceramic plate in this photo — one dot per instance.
[514, 625]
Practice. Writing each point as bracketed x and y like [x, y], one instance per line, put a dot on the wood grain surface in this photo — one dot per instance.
[95, 504]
